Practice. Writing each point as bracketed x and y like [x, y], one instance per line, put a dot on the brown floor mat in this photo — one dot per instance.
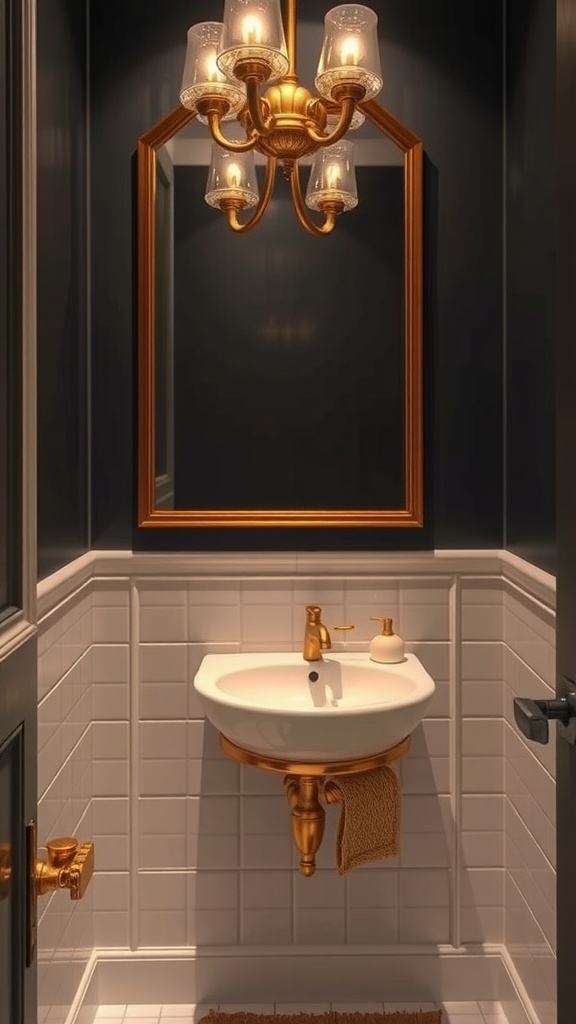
[332, 1017]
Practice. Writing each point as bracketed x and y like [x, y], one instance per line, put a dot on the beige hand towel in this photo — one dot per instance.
[369, 826]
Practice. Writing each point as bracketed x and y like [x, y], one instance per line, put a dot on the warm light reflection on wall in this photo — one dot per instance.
[288, 334]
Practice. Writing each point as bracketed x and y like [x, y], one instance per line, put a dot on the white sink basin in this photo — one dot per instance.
[341, 708]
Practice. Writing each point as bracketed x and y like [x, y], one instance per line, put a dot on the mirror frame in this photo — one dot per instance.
[412, 515]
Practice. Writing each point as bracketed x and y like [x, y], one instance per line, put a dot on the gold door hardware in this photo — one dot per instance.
[304, 787]
[70, 865]
[343, 629]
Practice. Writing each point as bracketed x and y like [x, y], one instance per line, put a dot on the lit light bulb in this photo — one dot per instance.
[349, 53]
[252, 30]
[233, 176]
[212, 72]
[333, 178]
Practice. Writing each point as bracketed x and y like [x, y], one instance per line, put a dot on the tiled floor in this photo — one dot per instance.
[454, 1013]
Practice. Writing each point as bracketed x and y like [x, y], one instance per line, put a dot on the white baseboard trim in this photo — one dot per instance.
[221, 975]
[82, 1010]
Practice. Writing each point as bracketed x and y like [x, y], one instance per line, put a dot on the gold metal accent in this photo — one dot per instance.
[387, 629]
[232, 207]
[5, 869]
[412, 512]
[31, 894]
[315, 768]
[70, 865]
[330, 210]
[308, 818]
[302, 782]
[344, 629]
[316, 636]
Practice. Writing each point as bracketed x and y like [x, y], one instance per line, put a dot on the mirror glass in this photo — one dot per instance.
[283, 369]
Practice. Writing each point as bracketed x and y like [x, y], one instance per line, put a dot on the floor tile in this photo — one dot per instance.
[142, 1011]
[463, 1008]
[464, 1018]
[179, 1010]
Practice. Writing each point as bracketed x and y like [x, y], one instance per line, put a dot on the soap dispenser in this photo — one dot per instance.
[386, 647]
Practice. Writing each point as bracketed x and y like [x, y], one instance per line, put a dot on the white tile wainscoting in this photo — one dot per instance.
[197, 896]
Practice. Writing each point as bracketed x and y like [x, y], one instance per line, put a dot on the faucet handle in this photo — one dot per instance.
[313, 612]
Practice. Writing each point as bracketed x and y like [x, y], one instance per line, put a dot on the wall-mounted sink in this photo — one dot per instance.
[340, 708]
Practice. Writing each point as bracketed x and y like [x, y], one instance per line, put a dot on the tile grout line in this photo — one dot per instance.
[134, 750]
[455, 611]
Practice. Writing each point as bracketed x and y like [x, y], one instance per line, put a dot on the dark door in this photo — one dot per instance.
[17, 811]
[566, 494]
[17, 570]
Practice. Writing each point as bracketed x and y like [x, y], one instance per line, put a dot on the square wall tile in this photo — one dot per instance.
[323, 926]
[214, 623]
[159, 593]
[263, 927]
[163, 624]
[266, 890]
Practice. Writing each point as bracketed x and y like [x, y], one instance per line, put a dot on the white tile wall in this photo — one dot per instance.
[66, 936]
[530, 832]
[193, 849]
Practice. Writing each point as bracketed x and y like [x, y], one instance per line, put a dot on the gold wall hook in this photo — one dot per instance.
[69, 865]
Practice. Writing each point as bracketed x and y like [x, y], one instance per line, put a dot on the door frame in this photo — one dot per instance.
[22, 624]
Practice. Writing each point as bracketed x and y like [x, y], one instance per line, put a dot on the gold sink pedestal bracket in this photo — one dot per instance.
[302, 785]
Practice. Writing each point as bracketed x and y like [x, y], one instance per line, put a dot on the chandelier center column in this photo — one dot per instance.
[290, 31]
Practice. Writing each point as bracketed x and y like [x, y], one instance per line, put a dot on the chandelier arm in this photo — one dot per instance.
[301, 212]
[269, 180]
[230, 144]
[346, 114]
[254, 108]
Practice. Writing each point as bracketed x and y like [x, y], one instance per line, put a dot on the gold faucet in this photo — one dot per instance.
[316, 636]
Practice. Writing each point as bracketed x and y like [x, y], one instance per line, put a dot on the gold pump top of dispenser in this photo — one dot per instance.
[387, 625]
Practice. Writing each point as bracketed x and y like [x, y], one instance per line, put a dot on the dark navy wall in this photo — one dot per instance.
[443, 78]
[531, 281]
[62, 268]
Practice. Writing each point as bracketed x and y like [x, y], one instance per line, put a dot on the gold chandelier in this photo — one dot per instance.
[226, 65]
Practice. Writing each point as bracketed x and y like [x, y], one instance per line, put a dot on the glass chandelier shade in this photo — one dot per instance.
[253, 32]
[231, 178]
[350, 51]
[333, 177]
[357, 121]
[202, 74]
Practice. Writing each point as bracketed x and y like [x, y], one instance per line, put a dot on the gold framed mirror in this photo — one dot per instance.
[301, 496]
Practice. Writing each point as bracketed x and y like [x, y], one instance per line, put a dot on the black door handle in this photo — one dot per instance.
[532, 716]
